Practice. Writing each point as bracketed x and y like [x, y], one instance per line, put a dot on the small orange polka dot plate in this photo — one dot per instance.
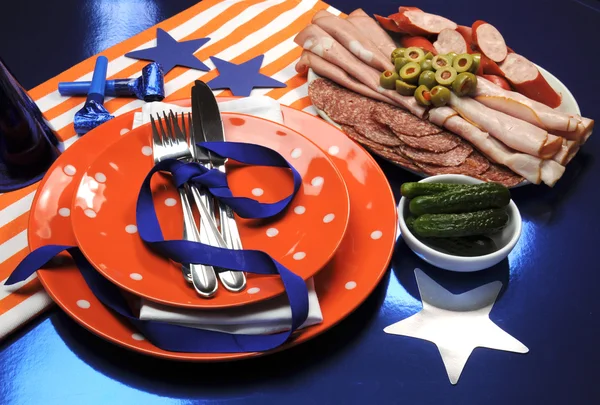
[342, 285]
[303, 238]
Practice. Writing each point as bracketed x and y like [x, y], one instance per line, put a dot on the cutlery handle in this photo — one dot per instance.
[231, 234]
[209, 233]
[203, 277]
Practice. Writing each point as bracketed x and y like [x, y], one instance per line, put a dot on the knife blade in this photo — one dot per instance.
[210, 122]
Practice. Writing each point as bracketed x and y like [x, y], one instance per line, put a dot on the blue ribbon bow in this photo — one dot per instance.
[178, 338]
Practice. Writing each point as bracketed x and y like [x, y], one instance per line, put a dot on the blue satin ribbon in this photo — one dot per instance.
[178, 338]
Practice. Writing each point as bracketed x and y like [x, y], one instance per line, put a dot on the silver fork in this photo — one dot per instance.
[166, 146]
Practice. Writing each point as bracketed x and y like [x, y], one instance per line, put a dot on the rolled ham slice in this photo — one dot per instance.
[527, 80]
[572, 127]
[523, 164]
[551, 172]
[416, 22]
[489, 40]
[450, 40]
[334, 73]
[513, 132]
[353, 40]
[372, 30]
[312, 38]
[566, 152]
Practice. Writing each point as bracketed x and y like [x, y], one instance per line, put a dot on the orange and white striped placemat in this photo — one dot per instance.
[239, 30]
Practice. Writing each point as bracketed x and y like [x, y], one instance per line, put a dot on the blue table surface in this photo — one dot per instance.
[550, 300]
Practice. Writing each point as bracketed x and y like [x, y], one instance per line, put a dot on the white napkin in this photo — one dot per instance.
[270, 316]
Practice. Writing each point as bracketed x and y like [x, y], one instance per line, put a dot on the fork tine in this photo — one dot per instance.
[157, 143]
[166, 139]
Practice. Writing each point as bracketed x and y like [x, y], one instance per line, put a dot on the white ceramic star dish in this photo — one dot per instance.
[505, 240]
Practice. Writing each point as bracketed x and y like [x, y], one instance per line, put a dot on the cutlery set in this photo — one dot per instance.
[172, 138]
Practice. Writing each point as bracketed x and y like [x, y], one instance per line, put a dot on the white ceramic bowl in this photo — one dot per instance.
[505, 240]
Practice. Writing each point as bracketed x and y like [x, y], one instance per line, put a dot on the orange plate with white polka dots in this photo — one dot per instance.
[342, 285]
[303, 238]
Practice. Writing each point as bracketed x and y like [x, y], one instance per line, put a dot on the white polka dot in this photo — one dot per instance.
[123, 131]
[328, 218]
[376, 235]
[100, 177]
[317, 181]
[83, 304]
[253, 290]
[137, 336]
[257, 191]
[170, 202]
[299, 210]
[350, 285]
[146, 151]
[131, 229]
[64, 212]
[136, 276]
[334, 150]
[70, 170]
[299, 255]
[90, 213]
[272, 232]
[296, 153]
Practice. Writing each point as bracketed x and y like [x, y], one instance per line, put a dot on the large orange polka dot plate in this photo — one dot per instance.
[353, 273]
[303, 238]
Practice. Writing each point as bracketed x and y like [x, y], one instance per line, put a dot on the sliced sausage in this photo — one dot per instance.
[489, 40]
[489, 67]
[467, 35]
[416, 22]
[419, 42]
[450, 40]
[527, 80]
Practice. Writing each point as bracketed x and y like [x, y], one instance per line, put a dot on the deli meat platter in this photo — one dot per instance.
[436, 98]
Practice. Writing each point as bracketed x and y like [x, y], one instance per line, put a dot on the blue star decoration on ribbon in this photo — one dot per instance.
[170, 53]
[242, 78]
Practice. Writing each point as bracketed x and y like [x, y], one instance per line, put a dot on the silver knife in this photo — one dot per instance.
[212, 130]
[231, 280]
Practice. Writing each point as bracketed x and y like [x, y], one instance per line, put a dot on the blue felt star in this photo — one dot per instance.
[170, 53]
[242, 78]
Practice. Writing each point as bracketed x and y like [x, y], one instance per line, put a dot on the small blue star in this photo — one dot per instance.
[170, 53]
[242, 78]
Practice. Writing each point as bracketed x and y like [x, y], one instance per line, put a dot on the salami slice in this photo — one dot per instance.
[377, 132]
[402, 122]
[502, 175]
[467, 35]
[450, 40]
[489, 40]
[453, 157]
[387, 153]
[341, 105]
[419, 42]
[442, 142]
[473, 166]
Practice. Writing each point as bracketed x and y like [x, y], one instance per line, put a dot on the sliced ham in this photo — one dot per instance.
[420, 42]
[449, 40]
[317, 41]
[372, 30]
[566, 152]
[526, 165]
[513, 132]
[551, 172]
[498, 81]
[334, 73]
[489, 41]
[416, 22]
[572, 127]
[527, 80]
[353, 40]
